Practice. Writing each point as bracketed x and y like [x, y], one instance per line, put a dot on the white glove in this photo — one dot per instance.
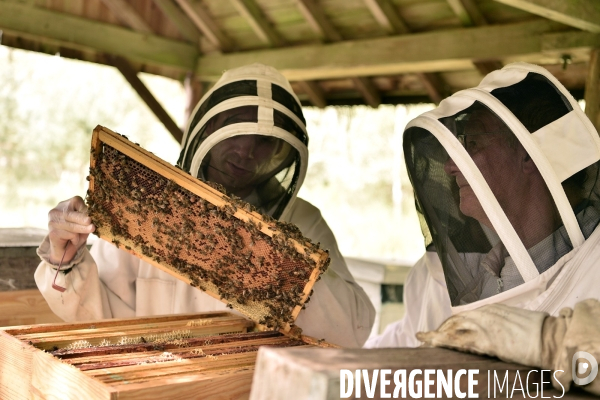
[511, 334]
[68, 222]
[573, 331]
[525, 337]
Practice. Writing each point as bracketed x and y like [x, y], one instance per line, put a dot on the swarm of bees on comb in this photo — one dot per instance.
[259, 266]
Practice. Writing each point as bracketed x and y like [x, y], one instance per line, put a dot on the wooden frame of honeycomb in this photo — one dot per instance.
[188, 228]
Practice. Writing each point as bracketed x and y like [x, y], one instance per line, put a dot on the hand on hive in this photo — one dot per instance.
[509, 333]
[68, 222]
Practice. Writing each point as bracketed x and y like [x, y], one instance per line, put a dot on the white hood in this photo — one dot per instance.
[275, 112]
[506, 184]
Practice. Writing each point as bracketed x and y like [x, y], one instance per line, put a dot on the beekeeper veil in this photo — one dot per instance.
[248, 134]
[505, 177]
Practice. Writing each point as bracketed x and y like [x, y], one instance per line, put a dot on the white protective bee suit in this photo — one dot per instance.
[253, 100]
[530, 240]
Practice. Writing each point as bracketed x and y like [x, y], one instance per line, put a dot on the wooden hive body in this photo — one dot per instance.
[209, 356]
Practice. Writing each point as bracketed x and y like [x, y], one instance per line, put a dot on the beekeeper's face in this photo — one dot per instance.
[500, 159]
[241, 162]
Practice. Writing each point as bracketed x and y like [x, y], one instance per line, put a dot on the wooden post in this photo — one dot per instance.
[194, 89]
[592, 89]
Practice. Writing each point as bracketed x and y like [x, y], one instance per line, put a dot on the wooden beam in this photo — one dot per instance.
[569, 41]
[131, 75]
[387, 16]
[592, 89]
[581, 14]
[127, 15]
[318, 21]
[422, 52]
[185, 26]
[434, 85]
[204, 21]
[258, 22]
[368, 90]
[314, 92]
[84, 34]
[486, 66]
[468, 12]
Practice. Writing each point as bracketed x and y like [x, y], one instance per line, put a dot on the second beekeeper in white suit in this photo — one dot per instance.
[507, 187]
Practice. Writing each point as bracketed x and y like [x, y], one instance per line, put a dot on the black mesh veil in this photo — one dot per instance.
[248, 134]
[505, 179]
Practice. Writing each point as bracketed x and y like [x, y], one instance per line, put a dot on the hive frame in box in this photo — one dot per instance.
[258, 231]
[176, 357]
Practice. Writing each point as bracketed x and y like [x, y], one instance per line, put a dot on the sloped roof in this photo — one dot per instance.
[333, 51]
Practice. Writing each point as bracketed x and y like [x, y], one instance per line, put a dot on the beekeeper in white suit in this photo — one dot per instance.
[248, 134]
[506, 184]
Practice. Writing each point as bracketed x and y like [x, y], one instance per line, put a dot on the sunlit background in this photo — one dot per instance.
[49, 106]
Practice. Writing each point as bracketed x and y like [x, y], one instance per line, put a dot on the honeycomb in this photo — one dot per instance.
[194, 231]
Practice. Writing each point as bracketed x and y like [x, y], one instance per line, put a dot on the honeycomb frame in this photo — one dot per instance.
[190, 229]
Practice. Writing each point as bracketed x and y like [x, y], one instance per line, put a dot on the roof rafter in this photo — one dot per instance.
[185, 26]
[368, 91]
[581, 14]
[387, 16]
[316, 18]
[204, 21]
[468, 12]
[324, 27]
[434, 85]
[258, 22]
[446, 50]
[469, 15]
[128, 15]
[314, 92]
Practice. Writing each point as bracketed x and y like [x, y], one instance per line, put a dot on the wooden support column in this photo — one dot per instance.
[194, 89]
[131, 75]
[592, 89]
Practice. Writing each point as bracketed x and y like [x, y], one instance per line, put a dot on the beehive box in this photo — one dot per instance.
[209, 356]
[261, 267]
